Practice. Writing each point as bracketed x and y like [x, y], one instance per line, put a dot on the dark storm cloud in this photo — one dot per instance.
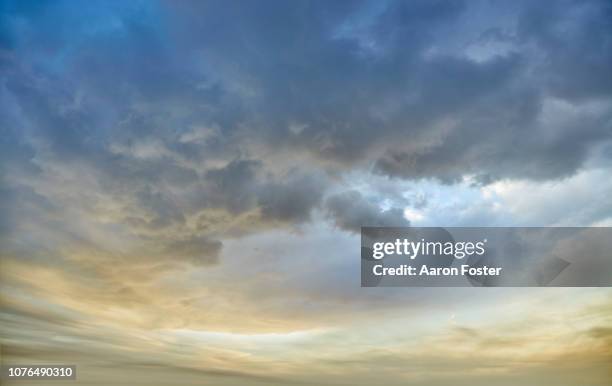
[351, 211]
[169, 109]
[291, 200]
[574, 39]
[360, 81]
[234, 185]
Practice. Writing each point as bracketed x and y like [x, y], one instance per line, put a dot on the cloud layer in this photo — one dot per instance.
[183, 175]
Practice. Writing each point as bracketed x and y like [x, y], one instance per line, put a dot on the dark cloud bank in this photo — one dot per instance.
[247, 113]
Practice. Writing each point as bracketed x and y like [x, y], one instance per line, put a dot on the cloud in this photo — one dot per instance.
[351, 211]
[234, 185]
[577, 201]
[199, 251]
[386, 89]
[318, 89]
[291, 200]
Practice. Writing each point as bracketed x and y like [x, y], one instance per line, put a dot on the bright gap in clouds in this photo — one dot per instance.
[579, 200]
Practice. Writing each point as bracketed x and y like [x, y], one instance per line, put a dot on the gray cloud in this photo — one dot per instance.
[234, 185]
[157, 114]
[292, 199]
[350, 211]
[197, 250]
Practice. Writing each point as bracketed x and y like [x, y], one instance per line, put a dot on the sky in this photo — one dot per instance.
[182, 185]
